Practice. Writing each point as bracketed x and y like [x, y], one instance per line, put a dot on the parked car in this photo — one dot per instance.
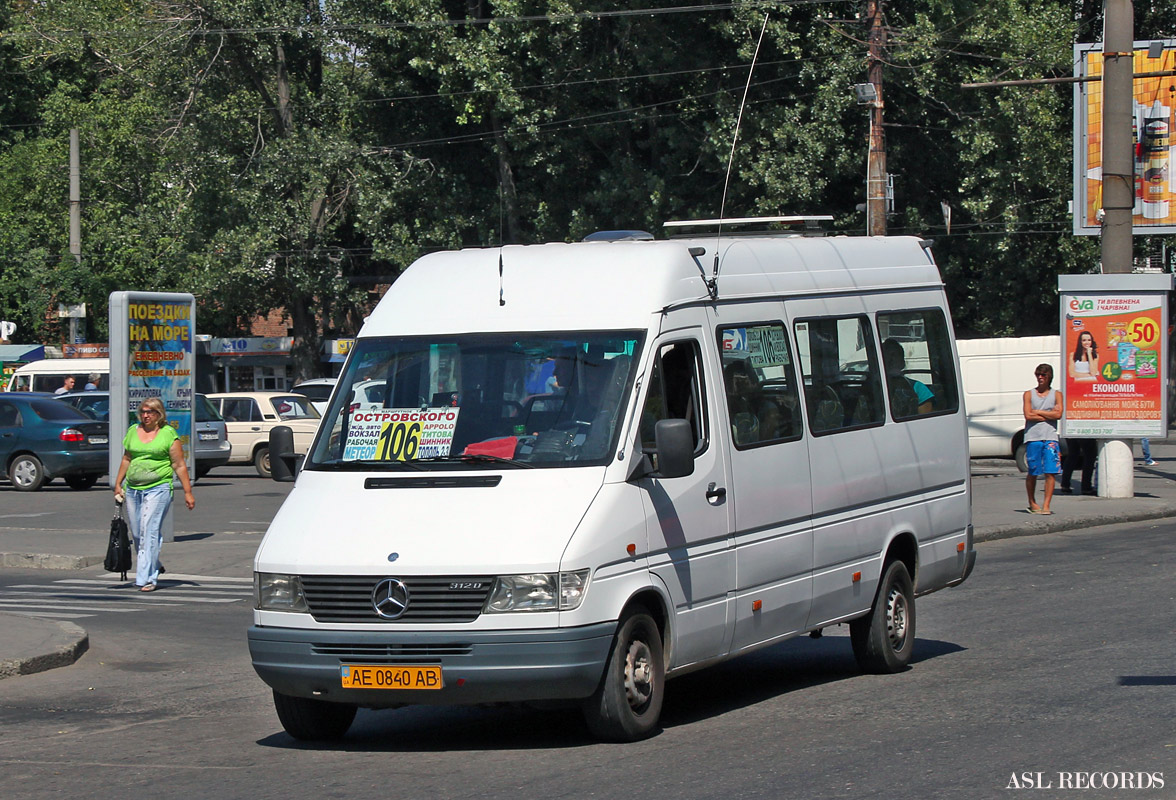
[211, 435]
[249, 417]
[41, 439]
[318, 390]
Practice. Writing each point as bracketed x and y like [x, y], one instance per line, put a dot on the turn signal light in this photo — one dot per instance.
[960, 547]
[857, 576]
[756, 605]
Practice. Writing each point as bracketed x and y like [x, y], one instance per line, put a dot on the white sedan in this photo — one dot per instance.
[249, 417]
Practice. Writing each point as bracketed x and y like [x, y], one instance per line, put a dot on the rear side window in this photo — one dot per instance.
[839, 367]
[241, 409]
[205, 410]
[920, 370]
[763, 400]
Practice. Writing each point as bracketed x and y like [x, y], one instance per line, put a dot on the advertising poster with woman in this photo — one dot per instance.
[1113, 351]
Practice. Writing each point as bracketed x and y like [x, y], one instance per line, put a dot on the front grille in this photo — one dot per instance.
[346, 598]
[390, 653]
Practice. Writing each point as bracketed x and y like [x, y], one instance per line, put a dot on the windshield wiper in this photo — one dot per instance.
[475, 458]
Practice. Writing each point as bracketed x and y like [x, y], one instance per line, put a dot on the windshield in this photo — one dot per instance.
[552, 399]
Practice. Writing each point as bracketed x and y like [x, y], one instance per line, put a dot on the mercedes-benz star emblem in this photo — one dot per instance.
[390, 598]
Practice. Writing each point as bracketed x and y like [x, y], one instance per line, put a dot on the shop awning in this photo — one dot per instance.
[22, 352]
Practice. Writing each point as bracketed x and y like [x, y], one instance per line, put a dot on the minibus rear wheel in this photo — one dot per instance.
[884, 639]
[313, 720]
[627, 704]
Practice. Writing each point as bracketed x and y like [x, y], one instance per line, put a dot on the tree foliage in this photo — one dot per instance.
[294, 153]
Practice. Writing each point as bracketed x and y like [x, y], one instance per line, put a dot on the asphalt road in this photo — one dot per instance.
[227, 499]
[1055, 657]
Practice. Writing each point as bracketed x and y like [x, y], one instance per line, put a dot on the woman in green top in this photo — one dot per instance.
[151, 455]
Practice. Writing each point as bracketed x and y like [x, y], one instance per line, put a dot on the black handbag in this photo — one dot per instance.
[118, 549]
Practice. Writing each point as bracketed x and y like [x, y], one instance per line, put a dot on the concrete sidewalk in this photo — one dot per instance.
[999, 511]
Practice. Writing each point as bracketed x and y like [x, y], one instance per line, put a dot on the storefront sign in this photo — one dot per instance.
[336, 350]
[251, 346]
[86, 350]
[1114, 355]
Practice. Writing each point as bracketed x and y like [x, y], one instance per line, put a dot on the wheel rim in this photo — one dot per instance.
[638, 675]
[896, 618]
[25, 473]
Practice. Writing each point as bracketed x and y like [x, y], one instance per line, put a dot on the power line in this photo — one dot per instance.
[327, 28]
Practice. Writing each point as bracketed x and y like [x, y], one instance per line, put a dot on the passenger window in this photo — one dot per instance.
[675, 392]
[920, 371]
[763, 401]
[842, 385]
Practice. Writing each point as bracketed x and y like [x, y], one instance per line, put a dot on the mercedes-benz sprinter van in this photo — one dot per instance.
[577, 470]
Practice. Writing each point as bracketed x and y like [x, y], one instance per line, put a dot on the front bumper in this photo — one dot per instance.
[476, 666]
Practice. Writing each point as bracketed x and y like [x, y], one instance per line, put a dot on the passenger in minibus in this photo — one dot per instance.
[908, 396]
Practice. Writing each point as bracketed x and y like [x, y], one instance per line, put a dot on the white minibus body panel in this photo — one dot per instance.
[568, 471]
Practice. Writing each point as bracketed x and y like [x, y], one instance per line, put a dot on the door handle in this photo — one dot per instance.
[255, 428]
[715, 492]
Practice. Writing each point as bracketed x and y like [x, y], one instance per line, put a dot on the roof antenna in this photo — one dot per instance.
[501, 299]
[734, 141]
[501, 244]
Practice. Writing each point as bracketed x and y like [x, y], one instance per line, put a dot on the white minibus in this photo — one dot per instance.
[586, 468]
[49, 374]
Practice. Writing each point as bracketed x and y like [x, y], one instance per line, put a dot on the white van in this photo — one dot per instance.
[49, 374]
[591, 468]
[996, 374]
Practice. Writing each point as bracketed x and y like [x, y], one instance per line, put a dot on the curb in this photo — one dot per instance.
[77, 642]
[1039, 527]
[47, 561]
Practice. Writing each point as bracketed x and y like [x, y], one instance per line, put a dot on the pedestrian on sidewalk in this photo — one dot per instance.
[1043, 409]
[1145, 445]
[1080, 454]
[152, 454]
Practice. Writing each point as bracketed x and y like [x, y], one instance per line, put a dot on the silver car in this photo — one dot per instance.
[211, 435]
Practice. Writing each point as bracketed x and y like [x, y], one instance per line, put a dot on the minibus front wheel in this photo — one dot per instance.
[884, 639]
[313, 720]
[627, 704]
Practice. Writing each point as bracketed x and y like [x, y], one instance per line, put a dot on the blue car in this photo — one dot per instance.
[42, 439]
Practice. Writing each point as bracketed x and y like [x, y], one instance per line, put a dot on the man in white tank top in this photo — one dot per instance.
[1043, 409]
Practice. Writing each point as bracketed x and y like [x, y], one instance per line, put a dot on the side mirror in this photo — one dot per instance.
[283, 461]
[675, 448]
[674, 454]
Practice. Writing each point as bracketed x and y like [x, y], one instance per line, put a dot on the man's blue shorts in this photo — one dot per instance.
[1044, 458]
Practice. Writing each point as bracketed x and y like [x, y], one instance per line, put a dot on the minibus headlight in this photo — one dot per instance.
[544, 591]
[274, 592]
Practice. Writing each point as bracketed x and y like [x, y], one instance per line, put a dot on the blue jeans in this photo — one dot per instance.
[145, 511]
[1146, 445]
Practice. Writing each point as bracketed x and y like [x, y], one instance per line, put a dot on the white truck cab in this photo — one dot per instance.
[577, 470]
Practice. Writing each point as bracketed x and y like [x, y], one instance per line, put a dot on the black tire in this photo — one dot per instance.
[26, 473]
[80, 482]
[884, 639]
[313, 720]
[627, 704]
[1021, 459]
[261, 462]
[202, 471]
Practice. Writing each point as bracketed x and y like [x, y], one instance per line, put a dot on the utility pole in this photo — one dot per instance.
[876, 165]
[1118, 170]
[75, 213]
[1116, 464]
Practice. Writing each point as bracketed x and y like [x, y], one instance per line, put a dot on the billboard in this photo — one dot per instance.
[152, 336]
[1115, 349]
[1154, 146]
